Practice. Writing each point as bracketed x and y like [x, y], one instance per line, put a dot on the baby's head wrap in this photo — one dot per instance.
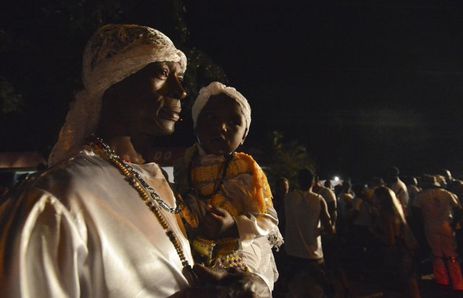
[112, 54]
[216, 88]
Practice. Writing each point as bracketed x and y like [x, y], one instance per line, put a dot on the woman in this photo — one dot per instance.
[396, 243]
[101, 222]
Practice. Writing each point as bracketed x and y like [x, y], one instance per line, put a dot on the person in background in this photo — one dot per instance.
[393, 181]
[307, 218]
[413, 189]
[281, 191]
[436, 207]
[395, 252]
[329, 196]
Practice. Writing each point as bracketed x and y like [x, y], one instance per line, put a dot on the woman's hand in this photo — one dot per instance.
[218, 223]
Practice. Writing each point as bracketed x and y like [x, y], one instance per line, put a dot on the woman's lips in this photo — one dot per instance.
[169, 114]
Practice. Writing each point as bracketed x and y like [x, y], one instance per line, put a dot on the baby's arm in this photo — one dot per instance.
[253, 224]
[218, 223]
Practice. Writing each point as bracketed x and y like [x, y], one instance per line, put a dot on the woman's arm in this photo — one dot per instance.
[43, 251]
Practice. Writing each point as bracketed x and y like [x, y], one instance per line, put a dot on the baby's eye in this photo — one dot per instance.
[235, 122]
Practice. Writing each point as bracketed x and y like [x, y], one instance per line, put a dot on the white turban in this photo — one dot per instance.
[216, 88]
[112, 54]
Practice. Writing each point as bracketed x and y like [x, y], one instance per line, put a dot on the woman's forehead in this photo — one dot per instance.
[173, 66]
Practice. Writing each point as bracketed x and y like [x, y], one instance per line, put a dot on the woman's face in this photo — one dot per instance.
[221, 125]
[149, 101]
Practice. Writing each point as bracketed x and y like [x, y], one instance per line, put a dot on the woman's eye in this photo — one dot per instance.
[163, 73]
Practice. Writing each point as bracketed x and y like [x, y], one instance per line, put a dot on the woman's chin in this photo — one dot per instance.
[167, 127]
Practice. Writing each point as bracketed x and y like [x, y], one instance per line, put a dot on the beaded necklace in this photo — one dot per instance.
[219, 182]
[149, 197]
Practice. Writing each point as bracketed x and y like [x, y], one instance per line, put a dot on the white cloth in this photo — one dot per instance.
[81, 230]
[258, 256]
[254, 234]
[302, 210]
[216, 88]
[436, 208]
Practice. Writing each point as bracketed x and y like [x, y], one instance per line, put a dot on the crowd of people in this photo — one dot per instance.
[102, 220]
[388, 228]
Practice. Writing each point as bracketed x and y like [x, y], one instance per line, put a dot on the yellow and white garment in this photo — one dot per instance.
[244, 193]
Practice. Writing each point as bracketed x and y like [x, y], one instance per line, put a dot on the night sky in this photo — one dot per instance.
[363, 84]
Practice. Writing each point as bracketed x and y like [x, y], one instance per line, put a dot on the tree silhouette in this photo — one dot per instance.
[282, 159]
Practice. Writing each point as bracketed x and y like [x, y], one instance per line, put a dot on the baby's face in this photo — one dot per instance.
[221, 125]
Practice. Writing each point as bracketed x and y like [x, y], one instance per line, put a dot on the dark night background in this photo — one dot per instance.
[362, 84]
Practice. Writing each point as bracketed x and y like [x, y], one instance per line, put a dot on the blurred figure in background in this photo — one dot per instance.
[307, 218]
[436, 207]
[328, 195]
[396, 245]
[281, 190]
[393, 181]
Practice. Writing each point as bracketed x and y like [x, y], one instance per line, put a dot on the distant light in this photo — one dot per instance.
[336, 179]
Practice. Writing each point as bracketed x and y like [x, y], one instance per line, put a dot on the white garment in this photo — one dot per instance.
[258, 231]
[436, 208]
[259, 259]
[302, 210]
[81, 230]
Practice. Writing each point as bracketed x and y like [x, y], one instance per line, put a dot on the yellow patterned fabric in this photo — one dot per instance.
[206, 179]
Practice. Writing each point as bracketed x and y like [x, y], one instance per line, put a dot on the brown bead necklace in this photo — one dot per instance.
[149, 196]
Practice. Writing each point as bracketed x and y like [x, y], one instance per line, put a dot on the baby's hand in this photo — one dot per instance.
[218, 223]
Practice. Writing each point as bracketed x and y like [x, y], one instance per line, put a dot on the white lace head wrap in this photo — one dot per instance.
[112, 54]
[216, 88]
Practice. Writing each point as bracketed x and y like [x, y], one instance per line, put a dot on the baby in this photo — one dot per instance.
[228, 210]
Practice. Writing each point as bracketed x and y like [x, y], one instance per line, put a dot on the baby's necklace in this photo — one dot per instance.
[149, 197]
[219, 182]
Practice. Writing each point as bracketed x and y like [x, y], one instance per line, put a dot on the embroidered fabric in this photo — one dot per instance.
[112, 54]
[216, 88]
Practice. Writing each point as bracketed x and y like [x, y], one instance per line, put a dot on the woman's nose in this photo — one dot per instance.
[175, 89]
